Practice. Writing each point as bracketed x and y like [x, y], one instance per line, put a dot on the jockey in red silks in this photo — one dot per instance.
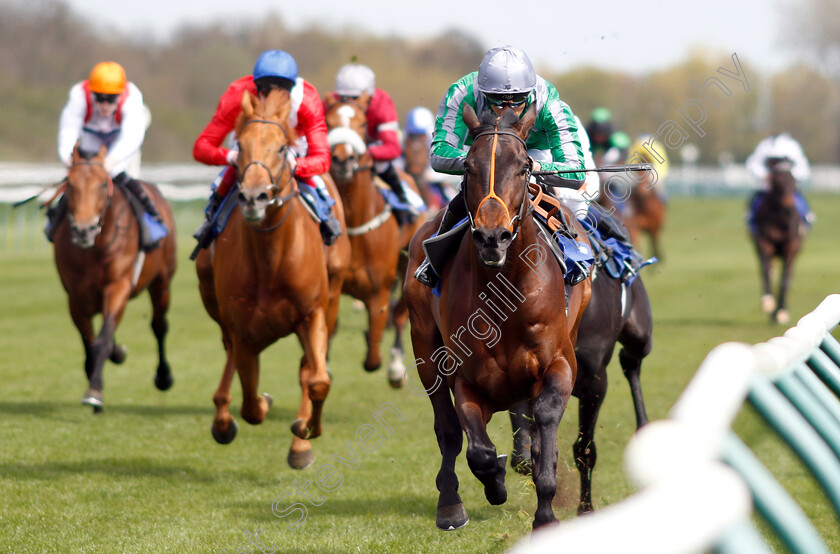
[309, 156]
[356, 83]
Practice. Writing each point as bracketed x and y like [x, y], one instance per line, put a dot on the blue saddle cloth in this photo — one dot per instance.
[394, 201]
[617, 258]
[574, 257]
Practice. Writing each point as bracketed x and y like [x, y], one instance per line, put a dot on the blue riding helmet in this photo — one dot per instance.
[276, 63]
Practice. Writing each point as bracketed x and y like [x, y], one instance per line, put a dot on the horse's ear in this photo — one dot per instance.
[249, 102]
[329, 100]
[523, 126]
[470, 118]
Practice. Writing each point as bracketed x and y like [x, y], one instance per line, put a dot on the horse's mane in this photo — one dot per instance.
[269, 107]
[489, 120]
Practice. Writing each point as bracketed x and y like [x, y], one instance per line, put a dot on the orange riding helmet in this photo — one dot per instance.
[107, 78]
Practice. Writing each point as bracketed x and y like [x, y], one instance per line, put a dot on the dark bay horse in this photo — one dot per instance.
[101, 266]
[616, 313]
[269, 275]
[778, 232]
[376, 240]
[504, 327]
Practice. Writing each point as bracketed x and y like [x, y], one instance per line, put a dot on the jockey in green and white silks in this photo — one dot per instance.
[555, 129]
[506, 78]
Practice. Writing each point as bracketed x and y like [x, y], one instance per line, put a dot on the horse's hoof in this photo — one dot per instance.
[225, 437]
[782, 317]
[396, 369]
[118, 353]
[522, 465]
[300, 460]
[358, 305]
[495, 492]
[768, 304]
[94, 398]
[452, 517]
[163, 382]
[268, 398]
[300, 430]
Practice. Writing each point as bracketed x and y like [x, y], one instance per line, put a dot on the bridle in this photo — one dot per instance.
[515, 221]
[108, 181]
[357, 154]
[275, 186]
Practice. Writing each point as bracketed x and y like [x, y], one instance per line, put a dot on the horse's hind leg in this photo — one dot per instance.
[522, 424]
[159, 292]
[782, 316]
[636, 338]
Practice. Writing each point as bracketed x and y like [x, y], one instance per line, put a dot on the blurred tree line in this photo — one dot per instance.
[45, 47]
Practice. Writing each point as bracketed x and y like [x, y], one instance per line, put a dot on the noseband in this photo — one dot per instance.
[516, 220]
[275, 187]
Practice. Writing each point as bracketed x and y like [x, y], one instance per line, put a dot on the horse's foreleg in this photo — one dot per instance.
[522, 424]
[549, 407]
[399, 315]
[224, 426]
[782, 315]
[377, 308]
[159, 293]
[765, 258]
[591, 395]
[85, 327]
[247, 363]
[115, 299]
[481, 452]
[450, 510]
[314, 379]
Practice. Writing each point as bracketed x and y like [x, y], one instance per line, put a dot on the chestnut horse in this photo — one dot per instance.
[101, 266]
[617, 312]
[376, 240]
[522, 345]
[778, 232]
[645, 212]
[269, 275]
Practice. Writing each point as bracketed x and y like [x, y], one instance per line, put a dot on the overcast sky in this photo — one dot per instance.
[633, 35]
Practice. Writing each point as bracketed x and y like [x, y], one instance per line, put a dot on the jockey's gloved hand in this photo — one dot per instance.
[233, 156]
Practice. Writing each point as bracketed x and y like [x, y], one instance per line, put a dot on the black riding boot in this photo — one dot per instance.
[204, 233]
[454, 212]
[393, 180]
[54, 216]
[139, 192]
[610, 227]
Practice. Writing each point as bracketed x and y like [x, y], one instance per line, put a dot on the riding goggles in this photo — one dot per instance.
[102, 98]
[510, 100]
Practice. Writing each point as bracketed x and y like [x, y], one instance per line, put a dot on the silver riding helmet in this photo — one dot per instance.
[506, 70]
[354, 79]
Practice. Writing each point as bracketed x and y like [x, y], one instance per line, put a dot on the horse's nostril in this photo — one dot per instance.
[505, 236]
[262, 197]
[241, 197]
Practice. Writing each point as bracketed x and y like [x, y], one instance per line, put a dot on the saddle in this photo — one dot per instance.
[149, 237]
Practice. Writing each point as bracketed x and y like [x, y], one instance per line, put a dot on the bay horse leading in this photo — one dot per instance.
[777, 231]
[500, 332]
[101, 265]
[618, 312]
[376, 239]
[268, 274]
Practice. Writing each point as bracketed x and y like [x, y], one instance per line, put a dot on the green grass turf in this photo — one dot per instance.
[146, 476]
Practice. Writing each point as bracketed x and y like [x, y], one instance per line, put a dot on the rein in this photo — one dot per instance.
[516, 220]
[99, 219]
